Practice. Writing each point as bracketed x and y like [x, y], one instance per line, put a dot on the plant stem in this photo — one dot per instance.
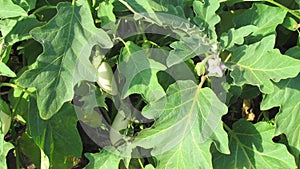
[14, 132]
[141, 164]
[203, 79]
[227, 127]
[17, 87]
[44, 8]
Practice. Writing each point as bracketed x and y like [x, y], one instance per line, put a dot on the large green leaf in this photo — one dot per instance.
[286, 95]
[57, 137]
[140, 73]
[4, 148]
[259, 63]
[67, 40]
[8, 9]
[251, 146]
[104, 159]
[265, 17]
[188, 121]
[206, 16]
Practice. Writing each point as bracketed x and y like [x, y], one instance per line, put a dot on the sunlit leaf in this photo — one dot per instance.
[8, 9]
[140, 73]
[286, 95]
[251, 146]
[67, 40]
[264, 17]
[259, 64]
[188, 121]
[104, 159]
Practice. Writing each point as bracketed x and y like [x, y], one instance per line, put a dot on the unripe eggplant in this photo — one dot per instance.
[106, 79]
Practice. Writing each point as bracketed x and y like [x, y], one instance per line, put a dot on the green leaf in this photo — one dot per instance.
[140, 73]
[23, 103]
[188, 121]
[105, 13]
[106, 159]
[259, 63]
[251, 146]
[236, 36]
[290, 23]
[5, 70]
[30, 49]
[187, 48]
[57, 137]
[294, 52]
[141, 8]
[91, 96]
[6, 25]
[5, 118]
[9, 10]
[4, 148]
[286, 95]
[21, 30]
[27, 5]
[206, 16]
[67, 41]
[30, 149]
[264, 17]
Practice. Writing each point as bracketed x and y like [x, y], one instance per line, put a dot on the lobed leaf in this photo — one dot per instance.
[259, 63]
[286, 95]
[251, 146]
[67, 40]
[264, 17]
[188, 121]
[140, 72]
[206, 16]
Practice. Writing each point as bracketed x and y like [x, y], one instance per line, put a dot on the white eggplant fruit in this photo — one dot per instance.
[106, 79]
